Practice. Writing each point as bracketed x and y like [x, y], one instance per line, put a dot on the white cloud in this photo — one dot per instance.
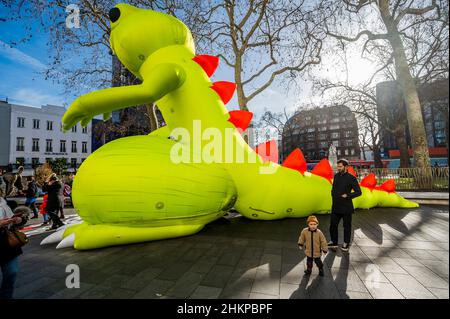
[18, 56]
[31, 97]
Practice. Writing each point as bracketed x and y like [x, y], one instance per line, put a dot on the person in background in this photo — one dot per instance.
[9, 257]
[54, 189]
[32, 193]
[13, 179]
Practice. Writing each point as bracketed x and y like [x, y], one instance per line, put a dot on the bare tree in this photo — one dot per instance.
[261, 40]
[396, 18]
[80, 56]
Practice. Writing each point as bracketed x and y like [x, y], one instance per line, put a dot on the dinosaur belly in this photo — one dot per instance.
[133, 181]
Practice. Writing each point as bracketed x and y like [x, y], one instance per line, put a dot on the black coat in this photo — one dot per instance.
[55, 193]
[32, 190]
[344, 184]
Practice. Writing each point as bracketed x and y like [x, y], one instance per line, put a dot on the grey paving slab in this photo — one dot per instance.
[185, 285]
[205, 292]
[218, 276]
[409, 287]
[440, 293]
[355, 295]
[438, 267]
[396, 253]
[155, 290]
[267, 282]
[383, 290]
[426, 277]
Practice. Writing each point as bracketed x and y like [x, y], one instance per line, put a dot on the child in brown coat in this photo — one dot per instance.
[314, 243]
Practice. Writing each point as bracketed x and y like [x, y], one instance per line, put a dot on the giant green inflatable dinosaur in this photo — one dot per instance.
[162, 194]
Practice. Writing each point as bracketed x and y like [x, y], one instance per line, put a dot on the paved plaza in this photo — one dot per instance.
[396, 253]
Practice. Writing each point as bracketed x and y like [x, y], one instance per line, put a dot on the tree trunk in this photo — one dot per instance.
[242, 100]
[377, 157]
[400, 140]
[409, 91]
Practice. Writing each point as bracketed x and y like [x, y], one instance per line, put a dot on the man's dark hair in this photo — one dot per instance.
[343, 162]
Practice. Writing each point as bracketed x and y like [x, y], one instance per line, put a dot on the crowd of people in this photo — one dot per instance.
[14, 217]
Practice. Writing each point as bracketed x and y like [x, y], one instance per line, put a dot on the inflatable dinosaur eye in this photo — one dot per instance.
[114, 14]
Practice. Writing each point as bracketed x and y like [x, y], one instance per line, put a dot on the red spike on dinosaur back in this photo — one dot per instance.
[388, 186]
[296, 161]
[268, 151]
[351, 170]
[369, 181]
[224, 89]
[240, 119]
[208, 63]
[323, 168]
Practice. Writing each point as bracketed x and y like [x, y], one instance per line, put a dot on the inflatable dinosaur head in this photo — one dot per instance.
[137, 33]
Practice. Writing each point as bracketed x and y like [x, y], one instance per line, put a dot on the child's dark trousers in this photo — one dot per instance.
[317, 261]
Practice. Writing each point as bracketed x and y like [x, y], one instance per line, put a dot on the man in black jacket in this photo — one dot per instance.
[342, 207]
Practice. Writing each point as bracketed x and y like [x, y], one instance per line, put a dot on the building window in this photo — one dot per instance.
[335, 120]
[62, 146]
[73, 162]
[20, 144]
[35, 147]
[84, 147]
[346, 151]
[335, 135]
[20, 161]
[35, 161]
[334, 127]
[323, 144]
[348, 133]
[48, 146]
[349, 143]
[311, 129]
[352, 151]
[20, 122]
[322, 136]
[74, 146]
[74, 129]
[36, 124]
[49, 125]
[338, 152]
[336, 143]
[85, 129]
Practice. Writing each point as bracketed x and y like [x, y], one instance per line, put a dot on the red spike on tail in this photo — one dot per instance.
[224, 89]
[296, 161]
[240, 119]
[351, 170]
[208, 63]
[369, 181]
[388, 186]
[268, 151]
[323, 168]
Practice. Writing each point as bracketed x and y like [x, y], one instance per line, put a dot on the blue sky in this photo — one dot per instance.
[23, 66]
[23, 82]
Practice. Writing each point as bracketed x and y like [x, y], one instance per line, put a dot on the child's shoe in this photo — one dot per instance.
[308, 271]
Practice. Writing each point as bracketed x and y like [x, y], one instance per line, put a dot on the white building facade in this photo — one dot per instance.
[33, 135]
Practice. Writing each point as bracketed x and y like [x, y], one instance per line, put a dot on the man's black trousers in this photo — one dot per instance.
[334, 223]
